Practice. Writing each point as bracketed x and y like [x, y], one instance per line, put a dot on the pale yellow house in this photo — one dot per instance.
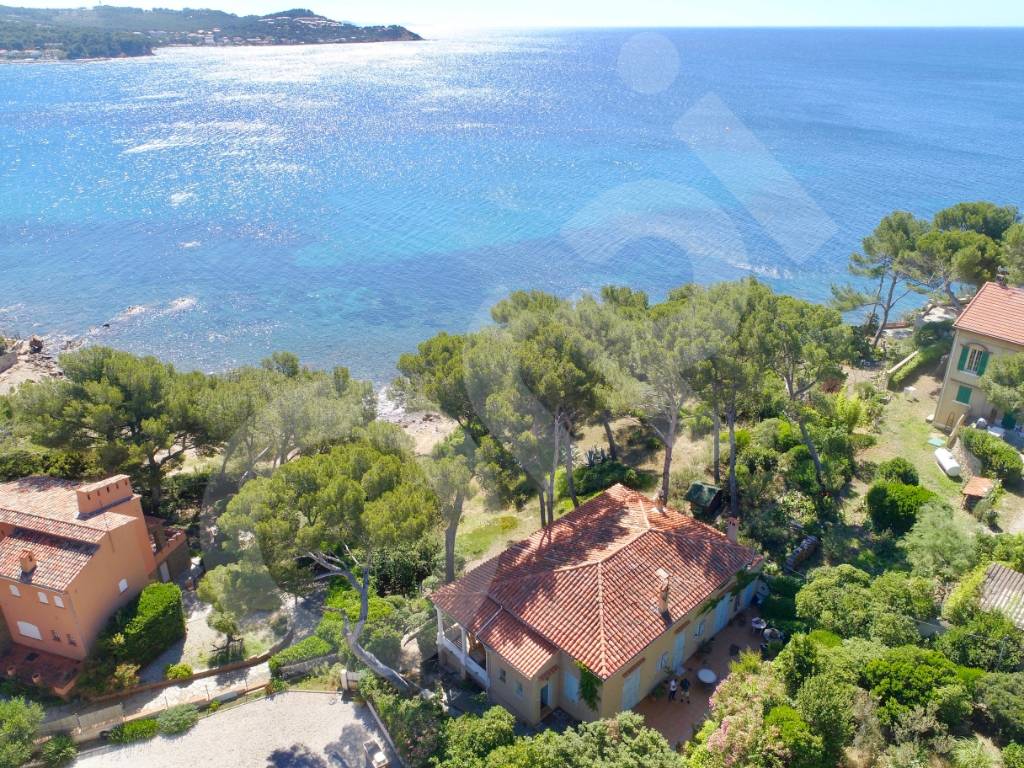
[992, 324]
[612, 599]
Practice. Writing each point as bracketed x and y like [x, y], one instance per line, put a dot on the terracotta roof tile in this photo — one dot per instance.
[50, 505]
[520, 647]
[588, 583]
[996, 311]
[58, 561]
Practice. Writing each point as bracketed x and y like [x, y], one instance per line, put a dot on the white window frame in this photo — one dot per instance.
[28, 629]
[58, 601]
[974, 355]
[122, 585]
[664, 663]
[14, 590]
[700, 629]
[519, 689]
[43, 598]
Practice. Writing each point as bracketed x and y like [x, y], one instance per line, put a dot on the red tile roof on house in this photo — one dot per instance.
[589, 584]
[996, 311]
[50, 505]
[58, 561]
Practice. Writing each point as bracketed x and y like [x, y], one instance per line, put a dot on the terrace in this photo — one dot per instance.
[678, 720]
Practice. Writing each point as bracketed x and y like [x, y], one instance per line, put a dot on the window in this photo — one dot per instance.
[71, 640]
[30, 630]
[14, 590]
[973, 360]
[519, 690]
[122, 585]
[58, 601]
[43, 598]
[963, 395]
[663, 663]
[55, 635]
[700, 630]
[501, 675]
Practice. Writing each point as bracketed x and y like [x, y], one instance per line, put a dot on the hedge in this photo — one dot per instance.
[21, 463]
[178, 719]
[587, 480]
[157, 621]
[312, 647]
[898, 470]
[135, 730]
[997, 457]
[927, 356]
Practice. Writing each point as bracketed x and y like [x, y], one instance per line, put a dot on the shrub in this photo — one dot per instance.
[1001, 701]
[469, 739]
[213, 706]
[22, 463]
[1013, 755]
[804, 748]
[19, 721]
[971, 753]
[997, 457]
[928, 356]
[177, 719]
[155, 620]
[897, 470]
[179, 671]
[414, 724]
[894, 506]
[777, 608]
[58, 751]
[596, 478]
[125, 676]
[907, 677]
[311, 647]
[133, 731]
[988, 641]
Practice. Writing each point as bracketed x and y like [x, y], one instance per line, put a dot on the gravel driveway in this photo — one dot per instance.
[288, 730]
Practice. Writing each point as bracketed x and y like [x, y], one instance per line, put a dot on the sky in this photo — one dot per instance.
[440, 14]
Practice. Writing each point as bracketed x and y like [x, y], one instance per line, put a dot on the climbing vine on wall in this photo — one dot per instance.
[590, 685]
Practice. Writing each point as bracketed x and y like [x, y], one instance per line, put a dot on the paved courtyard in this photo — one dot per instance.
[679, 720]
[289, 730]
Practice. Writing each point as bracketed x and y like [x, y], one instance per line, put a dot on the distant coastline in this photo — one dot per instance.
[107, 32]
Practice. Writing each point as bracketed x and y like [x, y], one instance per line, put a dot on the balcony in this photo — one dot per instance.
[41, 669]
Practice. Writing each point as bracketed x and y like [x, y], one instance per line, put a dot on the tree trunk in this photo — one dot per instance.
[155, 495]
[543, 507]
[354, 632]
[886, 309]
[606, 421]
[818, 474]
[952, 297]
[666, 467]
[734, 494]
[716, 428]
[570, 481]
[449, 550]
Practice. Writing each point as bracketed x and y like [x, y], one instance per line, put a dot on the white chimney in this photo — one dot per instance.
[732, 529]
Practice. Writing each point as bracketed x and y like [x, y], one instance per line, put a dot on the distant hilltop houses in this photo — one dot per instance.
[106, 31]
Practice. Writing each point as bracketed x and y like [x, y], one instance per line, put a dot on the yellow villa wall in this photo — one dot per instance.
[527, 706]
[948, 411]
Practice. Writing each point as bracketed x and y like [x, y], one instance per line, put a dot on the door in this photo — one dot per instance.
[165, 574]
[1009, 421]
[631, 690]
[722, 613]
[679, 651]
[545, 697]
[748, 593]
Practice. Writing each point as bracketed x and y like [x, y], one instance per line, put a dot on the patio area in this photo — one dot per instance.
[678, 720]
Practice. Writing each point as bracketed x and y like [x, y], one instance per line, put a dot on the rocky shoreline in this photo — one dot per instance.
[26, 360]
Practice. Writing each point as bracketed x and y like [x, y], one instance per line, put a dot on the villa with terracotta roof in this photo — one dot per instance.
[70, 556]
[622, 587]
[991, 324]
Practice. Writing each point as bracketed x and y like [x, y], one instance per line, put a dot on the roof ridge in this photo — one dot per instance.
[603, 651]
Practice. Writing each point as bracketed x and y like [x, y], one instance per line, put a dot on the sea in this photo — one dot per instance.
[211, 205]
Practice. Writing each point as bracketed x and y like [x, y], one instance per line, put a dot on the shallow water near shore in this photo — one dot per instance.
[346, 202]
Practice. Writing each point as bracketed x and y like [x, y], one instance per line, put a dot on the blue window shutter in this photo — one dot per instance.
[963, 358]
[982, 363]
[963, 395]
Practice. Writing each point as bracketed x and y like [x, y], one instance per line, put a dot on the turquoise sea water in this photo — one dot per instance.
[346, 202]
